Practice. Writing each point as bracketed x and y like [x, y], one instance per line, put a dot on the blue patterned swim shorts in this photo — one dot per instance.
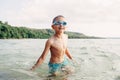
[54, 67]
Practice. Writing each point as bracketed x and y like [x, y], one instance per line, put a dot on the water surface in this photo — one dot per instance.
[96, 59]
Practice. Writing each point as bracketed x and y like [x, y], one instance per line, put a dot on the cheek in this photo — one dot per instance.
[56, 28]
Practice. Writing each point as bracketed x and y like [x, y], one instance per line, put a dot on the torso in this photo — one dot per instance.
[58, 48]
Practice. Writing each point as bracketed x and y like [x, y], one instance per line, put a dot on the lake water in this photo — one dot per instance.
[96, 59]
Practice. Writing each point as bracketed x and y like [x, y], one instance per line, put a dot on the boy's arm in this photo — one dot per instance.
[67, 51]
[42, 57]
[70, 57]
[68, 54]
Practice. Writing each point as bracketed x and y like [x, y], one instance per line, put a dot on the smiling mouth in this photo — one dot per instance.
[61, 28]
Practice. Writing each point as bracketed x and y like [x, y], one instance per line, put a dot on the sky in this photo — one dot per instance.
[91, 17]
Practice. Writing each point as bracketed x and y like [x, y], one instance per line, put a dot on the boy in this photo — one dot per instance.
[57, 45]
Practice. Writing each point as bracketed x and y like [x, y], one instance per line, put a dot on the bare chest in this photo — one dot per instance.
[60, 44]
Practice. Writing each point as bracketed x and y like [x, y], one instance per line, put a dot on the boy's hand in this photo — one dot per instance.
[33, 68]
[75, 62]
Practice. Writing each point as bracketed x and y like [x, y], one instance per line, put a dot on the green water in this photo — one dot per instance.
[96, 59]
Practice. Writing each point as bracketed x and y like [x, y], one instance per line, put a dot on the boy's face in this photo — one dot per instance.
[59, 25]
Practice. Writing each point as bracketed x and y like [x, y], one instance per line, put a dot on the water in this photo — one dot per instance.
[96, 59]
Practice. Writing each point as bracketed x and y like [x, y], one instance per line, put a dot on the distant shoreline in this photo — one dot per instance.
[14, 32]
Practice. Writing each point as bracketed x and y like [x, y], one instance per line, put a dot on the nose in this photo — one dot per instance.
[61, 25]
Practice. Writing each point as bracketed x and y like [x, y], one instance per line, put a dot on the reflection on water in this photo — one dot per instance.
[96, 59]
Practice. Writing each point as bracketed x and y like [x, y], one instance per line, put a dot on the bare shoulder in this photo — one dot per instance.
[50, 40]
[65, 35]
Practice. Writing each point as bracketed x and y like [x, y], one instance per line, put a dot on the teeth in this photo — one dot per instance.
[61, 28]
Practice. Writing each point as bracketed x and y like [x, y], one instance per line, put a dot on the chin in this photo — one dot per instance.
[61, 31]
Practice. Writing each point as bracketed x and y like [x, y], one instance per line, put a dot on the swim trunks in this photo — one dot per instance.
[54, 67]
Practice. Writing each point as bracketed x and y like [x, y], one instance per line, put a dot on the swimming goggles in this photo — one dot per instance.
[60, 23]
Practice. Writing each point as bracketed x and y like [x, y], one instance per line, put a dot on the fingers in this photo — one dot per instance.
[33, 68]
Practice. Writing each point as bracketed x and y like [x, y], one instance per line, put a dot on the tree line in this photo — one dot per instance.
[13, 32]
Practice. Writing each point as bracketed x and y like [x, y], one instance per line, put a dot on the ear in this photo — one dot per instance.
[52, 26]
[66, 27]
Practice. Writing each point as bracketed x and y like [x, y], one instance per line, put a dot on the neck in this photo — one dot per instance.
[58, 35]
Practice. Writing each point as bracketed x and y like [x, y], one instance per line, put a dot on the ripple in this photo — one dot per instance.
[85, 53]
[117, 78]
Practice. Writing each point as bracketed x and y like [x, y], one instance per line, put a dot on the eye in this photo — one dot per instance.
[58, 22]
[64, 23]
